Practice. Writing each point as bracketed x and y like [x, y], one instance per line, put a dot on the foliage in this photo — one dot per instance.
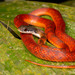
[13, 52]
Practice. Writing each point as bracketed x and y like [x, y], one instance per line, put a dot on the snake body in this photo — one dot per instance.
[55, 33]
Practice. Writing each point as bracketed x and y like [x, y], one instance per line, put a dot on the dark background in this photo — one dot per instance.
[63, 2]
[53, 1]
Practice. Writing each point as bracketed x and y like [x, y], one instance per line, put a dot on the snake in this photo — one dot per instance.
[64, 50]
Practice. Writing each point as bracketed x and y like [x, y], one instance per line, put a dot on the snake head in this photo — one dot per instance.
[29, 29]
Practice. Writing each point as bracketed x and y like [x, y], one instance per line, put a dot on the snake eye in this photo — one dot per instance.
[25, 29]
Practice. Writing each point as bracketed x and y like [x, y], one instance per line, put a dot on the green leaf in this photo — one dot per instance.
[12, 50]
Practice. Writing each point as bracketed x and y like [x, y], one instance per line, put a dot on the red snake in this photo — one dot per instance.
[55, 33]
